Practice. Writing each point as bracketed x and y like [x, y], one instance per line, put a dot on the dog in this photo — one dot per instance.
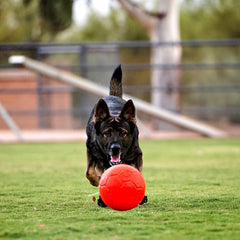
[112, 134]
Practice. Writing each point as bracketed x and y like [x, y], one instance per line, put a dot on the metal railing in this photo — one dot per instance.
[209, 89]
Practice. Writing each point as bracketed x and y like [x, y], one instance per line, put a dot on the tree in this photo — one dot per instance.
[28, 20]
[56, 15]
[18, 23]
[162, 26]
[208, 19]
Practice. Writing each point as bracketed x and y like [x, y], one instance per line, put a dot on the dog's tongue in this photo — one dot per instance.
[115, 159]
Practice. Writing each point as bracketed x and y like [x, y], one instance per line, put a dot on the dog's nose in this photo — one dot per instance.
[115, 148]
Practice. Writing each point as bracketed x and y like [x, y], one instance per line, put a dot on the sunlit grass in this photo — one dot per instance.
[192, 186]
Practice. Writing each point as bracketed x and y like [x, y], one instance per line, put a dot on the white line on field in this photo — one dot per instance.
[89, 195]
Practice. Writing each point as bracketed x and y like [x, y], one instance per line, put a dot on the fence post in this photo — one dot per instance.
[39, 94]
[83, 61]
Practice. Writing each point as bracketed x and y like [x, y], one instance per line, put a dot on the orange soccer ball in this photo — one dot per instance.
[122, 187]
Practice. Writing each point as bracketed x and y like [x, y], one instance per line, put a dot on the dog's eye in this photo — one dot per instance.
[107, 133]
[123, 133]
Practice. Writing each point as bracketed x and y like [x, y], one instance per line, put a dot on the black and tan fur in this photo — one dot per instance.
[112, 134]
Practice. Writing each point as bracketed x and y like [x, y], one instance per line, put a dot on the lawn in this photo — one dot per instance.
[193, 188]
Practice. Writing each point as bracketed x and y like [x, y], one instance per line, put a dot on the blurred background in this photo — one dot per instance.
[182, 56]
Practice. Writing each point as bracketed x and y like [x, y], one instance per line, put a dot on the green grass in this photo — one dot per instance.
[193, 188]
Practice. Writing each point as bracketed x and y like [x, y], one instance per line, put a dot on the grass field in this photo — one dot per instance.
[193, 188]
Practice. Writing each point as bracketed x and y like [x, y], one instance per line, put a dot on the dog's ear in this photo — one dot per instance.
[101, 111]
[128, 112]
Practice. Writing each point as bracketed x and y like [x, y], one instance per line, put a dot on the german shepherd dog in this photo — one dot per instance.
[112, 134]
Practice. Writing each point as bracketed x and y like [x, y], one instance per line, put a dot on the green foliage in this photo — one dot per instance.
[209, 19]
[28, 20]
[56, 15]
[117, 26]
[133, 31]
[226, 19]
[205, 19]
[97, 28]
[19, 23]
[192, 186]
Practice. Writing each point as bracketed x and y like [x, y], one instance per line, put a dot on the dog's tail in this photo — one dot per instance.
[116, 83]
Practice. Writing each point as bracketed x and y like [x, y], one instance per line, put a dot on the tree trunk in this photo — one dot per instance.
[166, 81]
[162, 27]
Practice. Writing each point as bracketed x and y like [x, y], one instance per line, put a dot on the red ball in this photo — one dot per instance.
[122, 187]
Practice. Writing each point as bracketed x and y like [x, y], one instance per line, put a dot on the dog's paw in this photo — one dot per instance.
[101, 203]
[145, 200]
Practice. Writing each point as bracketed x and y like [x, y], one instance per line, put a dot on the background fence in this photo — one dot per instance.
[209, 87]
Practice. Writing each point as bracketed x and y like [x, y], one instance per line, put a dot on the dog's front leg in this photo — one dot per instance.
[91, 173]
[92, 176]
[139, 164]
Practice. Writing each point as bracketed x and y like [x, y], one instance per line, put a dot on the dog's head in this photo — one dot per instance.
[114, 133]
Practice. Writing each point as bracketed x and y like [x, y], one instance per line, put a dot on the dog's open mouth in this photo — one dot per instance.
[115, 159]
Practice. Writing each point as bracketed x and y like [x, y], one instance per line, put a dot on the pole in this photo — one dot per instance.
[11, 124]
[92, 88]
